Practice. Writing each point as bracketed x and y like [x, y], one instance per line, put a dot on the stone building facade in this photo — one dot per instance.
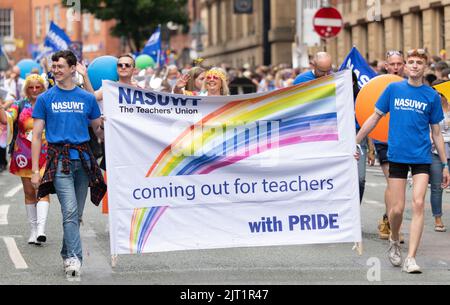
[393, 25]
[237, 39]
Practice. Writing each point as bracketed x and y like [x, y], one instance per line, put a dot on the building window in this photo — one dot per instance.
[38, 26]
[420, 29]
[401, 34]
[441, 21]
[86, 24]
[97, 25]
[6, 23]
[383, 36]
[47, 18]
[56, 15]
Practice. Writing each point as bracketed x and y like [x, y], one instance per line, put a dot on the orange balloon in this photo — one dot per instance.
[366, 100]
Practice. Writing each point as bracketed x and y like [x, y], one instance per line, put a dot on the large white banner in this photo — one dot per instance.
[195, 172]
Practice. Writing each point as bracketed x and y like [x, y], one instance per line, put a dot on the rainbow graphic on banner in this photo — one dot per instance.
[142, 224]
[300, 114]
[290, 116]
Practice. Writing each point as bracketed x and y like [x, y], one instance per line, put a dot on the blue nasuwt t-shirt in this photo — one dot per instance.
[67, 115]
[304, 77]
[412, 110]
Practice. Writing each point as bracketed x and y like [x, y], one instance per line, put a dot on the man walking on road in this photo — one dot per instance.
[413, 107]
[65, 111]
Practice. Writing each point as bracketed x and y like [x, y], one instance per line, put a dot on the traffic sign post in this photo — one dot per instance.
[327, 22]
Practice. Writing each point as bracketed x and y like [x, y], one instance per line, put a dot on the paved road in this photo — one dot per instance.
[21, 263]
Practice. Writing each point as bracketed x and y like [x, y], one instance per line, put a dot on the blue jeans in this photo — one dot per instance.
[362, 169]
[71, 190]
[436, 190]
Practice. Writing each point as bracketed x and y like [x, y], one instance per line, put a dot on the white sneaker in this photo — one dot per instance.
[411, 266]
[394, 253]
[72, 267]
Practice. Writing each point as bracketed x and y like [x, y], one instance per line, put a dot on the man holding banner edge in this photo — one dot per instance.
[409, 150]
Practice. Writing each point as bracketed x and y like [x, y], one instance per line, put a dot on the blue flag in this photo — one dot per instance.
[355, 62]
[153, 45]
[57, 39]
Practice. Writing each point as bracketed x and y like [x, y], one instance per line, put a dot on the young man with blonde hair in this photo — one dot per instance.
[414, 109]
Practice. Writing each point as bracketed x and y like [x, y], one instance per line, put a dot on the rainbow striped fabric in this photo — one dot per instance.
[239, 130]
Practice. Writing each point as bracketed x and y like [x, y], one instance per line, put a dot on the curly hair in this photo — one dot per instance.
[30, 78]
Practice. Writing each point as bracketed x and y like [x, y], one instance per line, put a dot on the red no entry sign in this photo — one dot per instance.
[327, 22]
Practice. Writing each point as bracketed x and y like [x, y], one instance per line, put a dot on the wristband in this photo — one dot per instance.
[36, 172]
[444, 165]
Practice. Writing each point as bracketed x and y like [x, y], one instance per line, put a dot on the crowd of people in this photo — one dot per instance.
[50, 151]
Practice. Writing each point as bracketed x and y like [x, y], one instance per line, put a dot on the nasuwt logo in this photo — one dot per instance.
[67, 106]
[409, 104]
[133, 97]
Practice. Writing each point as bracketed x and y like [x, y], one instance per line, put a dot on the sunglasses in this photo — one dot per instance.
[34, 87]
[394, 52]
[417, 51]
[212, 77]
[124, 65]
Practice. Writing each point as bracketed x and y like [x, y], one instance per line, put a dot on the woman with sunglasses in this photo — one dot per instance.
[216, 83]
[21, 113]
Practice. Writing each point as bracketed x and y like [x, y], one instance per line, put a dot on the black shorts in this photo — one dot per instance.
[400, 170]
[381, 152]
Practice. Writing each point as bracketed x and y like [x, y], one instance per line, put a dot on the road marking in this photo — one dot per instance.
[4, 214]
[374, 170]
[14, 253]
[14, 191]
[374, 184]
[373, 202]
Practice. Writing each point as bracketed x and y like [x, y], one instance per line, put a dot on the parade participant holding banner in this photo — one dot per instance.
[65, 112]
[322, 66]
[126, 67]
[414, 109]
[20, 112]
[394, 65]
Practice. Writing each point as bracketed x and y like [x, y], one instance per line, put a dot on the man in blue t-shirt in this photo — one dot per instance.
[66, 111]
[414, 109]
[322, 66]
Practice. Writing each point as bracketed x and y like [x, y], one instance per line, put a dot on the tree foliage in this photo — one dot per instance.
[136, 20]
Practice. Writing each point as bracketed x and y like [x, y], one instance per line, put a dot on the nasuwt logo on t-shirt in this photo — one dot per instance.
[410, 105]
[77, 107]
